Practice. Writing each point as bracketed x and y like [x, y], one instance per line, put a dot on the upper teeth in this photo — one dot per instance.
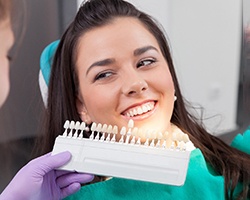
[140, 109]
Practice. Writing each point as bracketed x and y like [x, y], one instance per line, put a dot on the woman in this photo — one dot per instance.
[38, 179]
[111, 62]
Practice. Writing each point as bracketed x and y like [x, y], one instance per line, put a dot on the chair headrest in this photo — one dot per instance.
[45, 68]
[46, 60]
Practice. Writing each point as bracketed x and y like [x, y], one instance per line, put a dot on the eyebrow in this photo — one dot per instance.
[142, 50]
[104, 62]
[108, 61]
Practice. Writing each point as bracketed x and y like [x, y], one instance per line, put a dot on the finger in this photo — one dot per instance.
[71, 189]
[68, 179]
[62, 172]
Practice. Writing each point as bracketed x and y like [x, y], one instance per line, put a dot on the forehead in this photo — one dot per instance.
[121, 33]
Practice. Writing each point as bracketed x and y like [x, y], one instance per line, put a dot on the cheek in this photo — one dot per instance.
[100, 102]
[164, 82]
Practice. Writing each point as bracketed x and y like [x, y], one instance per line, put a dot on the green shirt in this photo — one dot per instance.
[201, 183]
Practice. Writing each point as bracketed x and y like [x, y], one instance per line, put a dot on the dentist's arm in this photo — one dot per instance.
[39, 180]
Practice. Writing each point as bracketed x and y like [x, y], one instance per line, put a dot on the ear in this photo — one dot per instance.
[82, 111]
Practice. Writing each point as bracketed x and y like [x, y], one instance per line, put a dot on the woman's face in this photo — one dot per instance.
[6, 42]
[123, 75]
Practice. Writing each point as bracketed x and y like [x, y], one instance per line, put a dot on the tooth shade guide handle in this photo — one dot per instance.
[117, 160]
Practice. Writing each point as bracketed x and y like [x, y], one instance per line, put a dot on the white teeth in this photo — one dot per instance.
[131, 113]
[145, 108]
[140, 109]
[135, 112]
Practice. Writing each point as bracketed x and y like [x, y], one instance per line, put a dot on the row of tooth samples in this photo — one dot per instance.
[128, 135]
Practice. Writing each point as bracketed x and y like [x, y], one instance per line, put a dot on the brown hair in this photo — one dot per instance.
[231, 163]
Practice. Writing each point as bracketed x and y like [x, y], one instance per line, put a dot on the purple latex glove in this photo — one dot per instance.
[39, 180]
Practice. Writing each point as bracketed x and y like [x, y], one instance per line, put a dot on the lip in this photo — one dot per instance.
[141, 116]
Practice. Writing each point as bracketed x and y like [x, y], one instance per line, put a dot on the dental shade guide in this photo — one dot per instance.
[100, 154]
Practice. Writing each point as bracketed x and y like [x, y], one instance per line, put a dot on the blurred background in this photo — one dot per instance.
[211, 53]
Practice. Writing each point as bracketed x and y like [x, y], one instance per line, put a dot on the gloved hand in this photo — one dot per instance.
[39, 180]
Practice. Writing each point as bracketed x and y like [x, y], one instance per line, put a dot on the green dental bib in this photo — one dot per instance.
[201, 183]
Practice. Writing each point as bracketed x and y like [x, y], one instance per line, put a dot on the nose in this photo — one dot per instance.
[134, 86]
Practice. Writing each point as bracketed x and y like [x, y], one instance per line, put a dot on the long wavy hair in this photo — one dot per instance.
[229, 162]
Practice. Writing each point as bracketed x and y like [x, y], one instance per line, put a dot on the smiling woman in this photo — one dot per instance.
[124, 76]
[113, 64]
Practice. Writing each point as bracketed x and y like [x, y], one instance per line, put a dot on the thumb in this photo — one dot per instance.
[47, 162]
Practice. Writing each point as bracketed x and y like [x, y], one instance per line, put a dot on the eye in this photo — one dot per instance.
[146, 62]
[103, 75]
